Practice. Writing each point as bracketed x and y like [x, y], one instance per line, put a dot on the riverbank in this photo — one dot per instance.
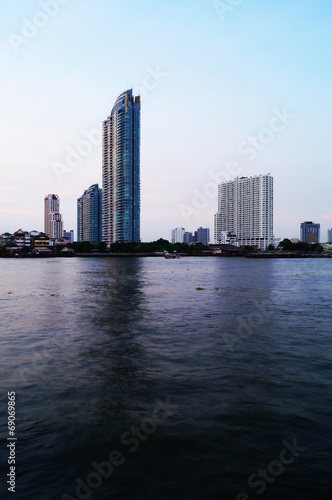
[258, 255]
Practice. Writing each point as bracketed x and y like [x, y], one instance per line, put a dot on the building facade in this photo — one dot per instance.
[329, 236]
[178, 235]
[89, 226]
[228, 238]
[202, 235]
[245, 209]
[310, 232]
[187, 237]
[52, 216]
[121, 171]
[68, 235]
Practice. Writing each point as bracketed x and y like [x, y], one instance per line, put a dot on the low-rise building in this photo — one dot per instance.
[228, 238]
[41, 243]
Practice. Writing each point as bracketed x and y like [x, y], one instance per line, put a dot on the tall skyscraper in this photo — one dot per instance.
[89, 215]
[121, 171]
[310, 232]
[245, 208]
[52, 216]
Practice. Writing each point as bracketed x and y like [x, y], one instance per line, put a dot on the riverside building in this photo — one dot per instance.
[245, 209]
[310, 232]
[121, 171]
[177, 235]
[52, 216]
[89, 215]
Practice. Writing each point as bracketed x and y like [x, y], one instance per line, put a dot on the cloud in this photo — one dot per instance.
[327, 216]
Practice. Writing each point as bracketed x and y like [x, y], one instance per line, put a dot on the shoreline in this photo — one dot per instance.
[119, 254]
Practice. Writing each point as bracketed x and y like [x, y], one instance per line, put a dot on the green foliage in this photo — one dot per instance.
[159, 245]
[81, 246]
[289, 246]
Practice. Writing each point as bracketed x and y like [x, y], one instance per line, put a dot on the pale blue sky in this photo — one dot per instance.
[221, 78]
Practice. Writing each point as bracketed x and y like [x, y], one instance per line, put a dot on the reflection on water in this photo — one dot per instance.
[239, 349]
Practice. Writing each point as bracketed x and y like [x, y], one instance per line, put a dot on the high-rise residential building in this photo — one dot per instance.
[52, 216]
[187, 237]
[89, 215]
[329, 236]
[121, 171]
[310, 232]
[178, 235]
[245, 208]
[202, 235]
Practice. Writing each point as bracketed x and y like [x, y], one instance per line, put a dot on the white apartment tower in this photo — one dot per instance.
[178, 235]
[245, 208]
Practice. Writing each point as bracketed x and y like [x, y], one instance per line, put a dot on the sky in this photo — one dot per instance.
[233, 87]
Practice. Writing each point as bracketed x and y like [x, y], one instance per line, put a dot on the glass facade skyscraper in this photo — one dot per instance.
[89, 215]
[121, 171]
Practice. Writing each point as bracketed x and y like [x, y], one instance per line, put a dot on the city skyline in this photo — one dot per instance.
[270, 109]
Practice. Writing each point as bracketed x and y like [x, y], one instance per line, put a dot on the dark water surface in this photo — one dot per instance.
[190, 393]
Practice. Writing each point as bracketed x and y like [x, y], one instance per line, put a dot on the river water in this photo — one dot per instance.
[151, 379]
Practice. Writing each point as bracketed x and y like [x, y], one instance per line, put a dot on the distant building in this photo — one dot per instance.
[89, 226]
[187, 237]
[178, 235]
[228, 238]
[52, 216]
[202, 235]
[68, 235]
[245, 208]
[310, 232]
[329, 236]
[19, 237]
[8, 241]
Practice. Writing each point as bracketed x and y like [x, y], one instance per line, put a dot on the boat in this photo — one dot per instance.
[171, 255]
